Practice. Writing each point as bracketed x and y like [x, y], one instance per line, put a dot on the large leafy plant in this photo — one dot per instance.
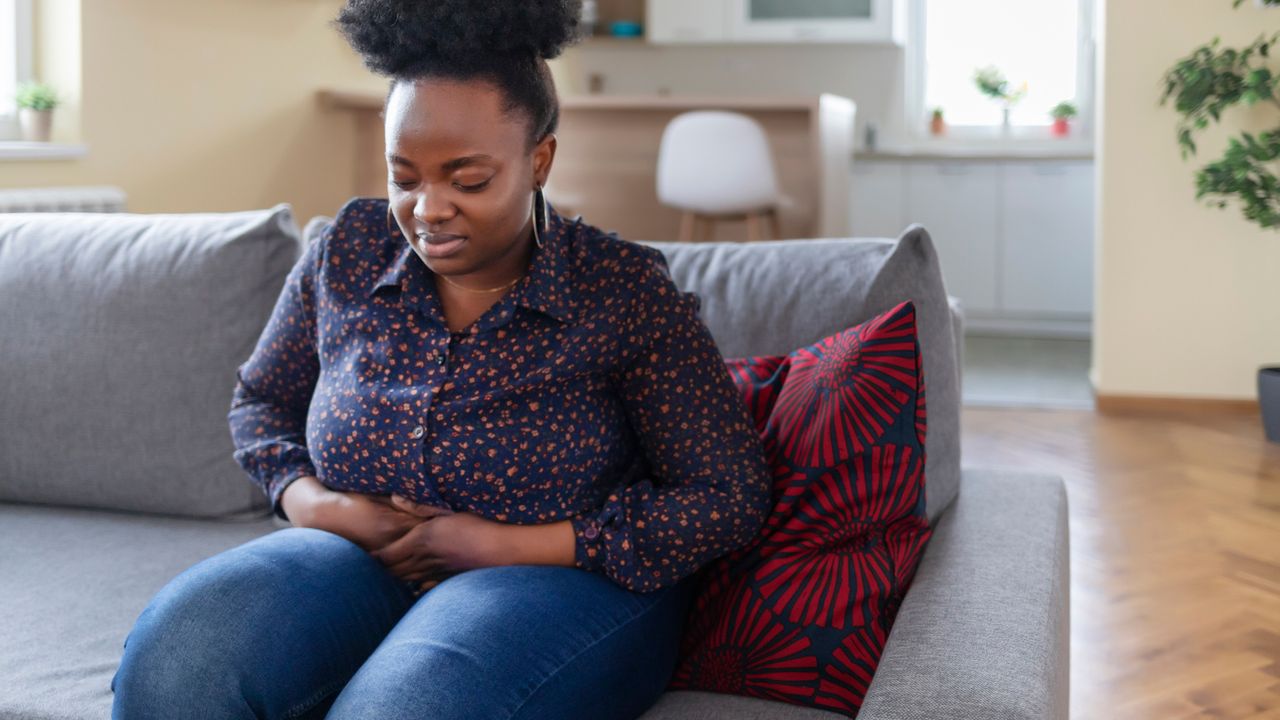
[1203, 85]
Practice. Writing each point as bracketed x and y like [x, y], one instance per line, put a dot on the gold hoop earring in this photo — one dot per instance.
[390, 225]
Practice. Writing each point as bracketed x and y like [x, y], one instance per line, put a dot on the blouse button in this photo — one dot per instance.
[419, 431]
[591, 532]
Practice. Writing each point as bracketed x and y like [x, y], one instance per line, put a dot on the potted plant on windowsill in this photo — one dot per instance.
[1062, 114]
[992, 83]
[937, 125]
[1203, 85]
[36, 103]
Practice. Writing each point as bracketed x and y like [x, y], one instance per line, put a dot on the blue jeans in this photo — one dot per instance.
[303, 623]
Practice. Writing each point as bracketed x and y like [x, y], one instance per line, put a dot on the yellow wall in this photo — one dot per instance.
[1187, 297]
[199, 106]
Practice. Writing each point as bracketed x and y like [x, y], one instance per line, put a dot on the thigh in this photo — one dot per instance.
[267, 629]
[523, 641]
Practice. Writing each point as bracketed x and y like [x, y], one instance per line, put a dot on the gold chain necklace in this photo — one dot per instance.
[461, 287]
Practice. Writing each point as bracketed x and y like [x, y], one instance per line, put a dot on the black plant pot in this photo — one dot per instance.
[1269, 399]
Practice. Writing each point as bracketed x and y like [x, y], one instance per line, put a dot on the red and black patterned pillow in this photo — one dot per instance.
[802, 613]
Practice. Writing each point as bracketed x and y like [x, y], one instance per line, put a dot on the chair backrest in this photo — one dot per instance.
[715, 162]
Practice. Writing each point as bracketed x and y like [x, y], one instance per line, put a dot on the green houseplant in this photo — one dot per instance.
[36, 103]
[1203, 85]
[1062, 114]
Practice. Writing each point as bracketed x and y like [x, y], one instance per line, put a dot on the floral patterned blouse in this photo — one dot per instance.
[591, 391]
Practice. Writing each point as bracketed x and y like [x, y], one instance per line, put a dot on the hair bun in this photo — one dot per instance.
[396, 37]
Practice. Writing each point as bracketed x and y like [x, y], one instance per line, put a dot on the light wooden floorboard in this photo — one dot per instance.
[1175, 554]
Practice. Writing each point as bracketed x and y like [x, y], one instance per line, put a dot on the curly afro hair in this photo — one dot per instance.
[505, 42]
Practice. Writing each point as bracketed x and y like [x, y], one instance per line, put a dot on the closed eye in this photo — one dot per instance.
[472, 188]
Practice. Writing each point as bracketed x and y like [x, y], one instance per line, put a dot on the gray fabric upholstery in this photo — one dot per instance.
[696, 705]
[771, 297]
[122, 334]
[984, 631]
[74, 582]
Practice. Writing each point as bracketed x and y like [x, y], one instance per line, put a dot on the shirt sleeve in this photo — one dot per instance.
[269, 405]
[710, 487]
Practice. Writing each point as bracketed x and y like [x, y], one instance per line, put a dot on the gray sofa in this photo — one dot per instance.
[119, 339]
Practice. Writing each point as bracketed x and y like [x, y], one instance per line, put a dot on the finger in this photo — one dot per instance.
[419, 566]
[416, 508]
[396, 551]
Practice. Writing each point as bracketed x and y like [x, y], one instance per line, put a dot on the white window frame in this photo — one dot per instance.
[24, 57]
[916, 113]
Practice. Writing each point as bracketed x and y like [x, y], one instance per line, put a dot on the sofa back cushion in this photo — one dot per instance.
[121, 334]
[771, 297]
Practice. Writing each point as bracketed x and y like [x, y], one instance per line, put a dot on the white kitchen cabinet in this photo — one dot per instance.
[1047, 258]
[776, 21]
[1014, 236]
[959, 204]
[805, 21]
[878, 206]
[686, 21]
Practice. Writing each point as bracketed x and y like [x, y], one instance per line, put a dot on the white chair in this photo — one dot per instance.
[715, 165]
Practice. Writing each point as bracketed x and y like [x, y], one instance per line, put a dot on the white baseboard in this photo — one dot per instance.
[1071, 329]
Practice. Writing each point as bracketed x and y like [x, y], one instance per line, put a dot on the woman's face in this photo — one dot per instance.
[460, 179]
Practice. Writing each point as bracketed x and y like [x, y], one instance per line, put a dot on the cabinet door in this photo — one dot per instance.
[958, 203]
[1047, 261]
[683, 21]
[811, 20]
[876, 208]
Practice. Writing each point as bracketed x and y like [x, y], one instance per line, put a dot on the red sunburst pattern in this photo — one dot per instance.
[843, 424]
[844, 392]
[748, 652]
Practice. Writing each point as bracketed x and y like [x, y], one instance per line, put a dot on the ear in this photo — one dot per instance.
[544, 154]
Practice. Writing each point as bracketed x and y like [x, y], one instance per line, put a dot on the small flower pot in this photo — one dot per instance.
[938, 126]
[37, 125]
[1061, 127]
[1269, 400]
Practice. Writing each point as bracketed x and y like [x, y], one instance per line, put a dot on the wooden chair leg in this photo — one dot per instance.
[686, 226]
[753, 227]
[774, 226]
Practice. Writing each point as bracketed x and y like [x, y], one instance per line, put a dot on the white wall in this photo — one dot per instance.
[1187, 297]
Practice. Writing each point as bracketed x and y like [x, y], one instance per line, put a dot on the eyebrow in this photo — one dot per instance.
[453, 164]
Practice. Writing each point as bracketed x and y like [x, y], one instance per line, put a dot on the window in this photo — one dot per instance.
[1046, 43]
[15, 60]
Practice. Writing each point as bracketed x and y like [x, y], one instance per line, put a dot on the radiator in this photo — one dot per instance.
[104, 198]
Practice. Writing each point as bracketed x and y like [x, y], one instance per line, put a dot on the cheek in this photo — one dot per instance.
[501, 212]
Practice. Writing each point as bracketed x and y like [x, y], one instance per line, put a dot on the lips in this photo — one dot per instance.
[440, 238]
[441, 244]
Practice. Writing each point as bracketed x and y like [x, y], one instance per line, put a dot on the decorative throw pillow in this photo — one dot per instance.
[801, 614]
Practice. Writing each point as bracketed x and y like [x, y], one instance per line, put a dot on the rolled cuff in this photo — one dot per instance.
[591, 531]
[285, 478]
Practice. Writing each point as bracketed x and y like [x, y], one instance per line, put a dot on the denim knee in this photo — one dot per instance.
[201, 647]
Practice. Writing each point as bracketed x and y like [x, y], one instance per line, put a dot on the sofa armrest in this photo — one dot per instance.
[984, 630]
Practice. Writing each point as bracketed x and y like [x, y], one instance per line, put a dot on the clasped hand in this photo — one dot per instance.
[421, 544]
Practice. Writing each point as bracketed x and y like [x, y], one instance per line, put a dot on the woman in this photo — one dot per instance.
[505, 440]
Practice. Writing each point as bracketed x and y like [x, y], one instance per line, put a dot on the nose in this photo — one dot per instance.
[432, 208]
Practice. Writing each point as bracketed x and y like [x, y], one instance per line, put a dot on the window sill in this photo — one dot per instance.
[15, 150]
[1060, 149]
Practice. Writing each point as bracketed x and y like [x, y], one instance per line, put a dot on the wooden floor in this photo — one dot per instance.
[1175, 557]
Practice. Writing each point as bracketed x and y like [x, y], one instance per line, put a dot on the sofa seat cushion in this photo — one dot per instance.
[75, 581]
